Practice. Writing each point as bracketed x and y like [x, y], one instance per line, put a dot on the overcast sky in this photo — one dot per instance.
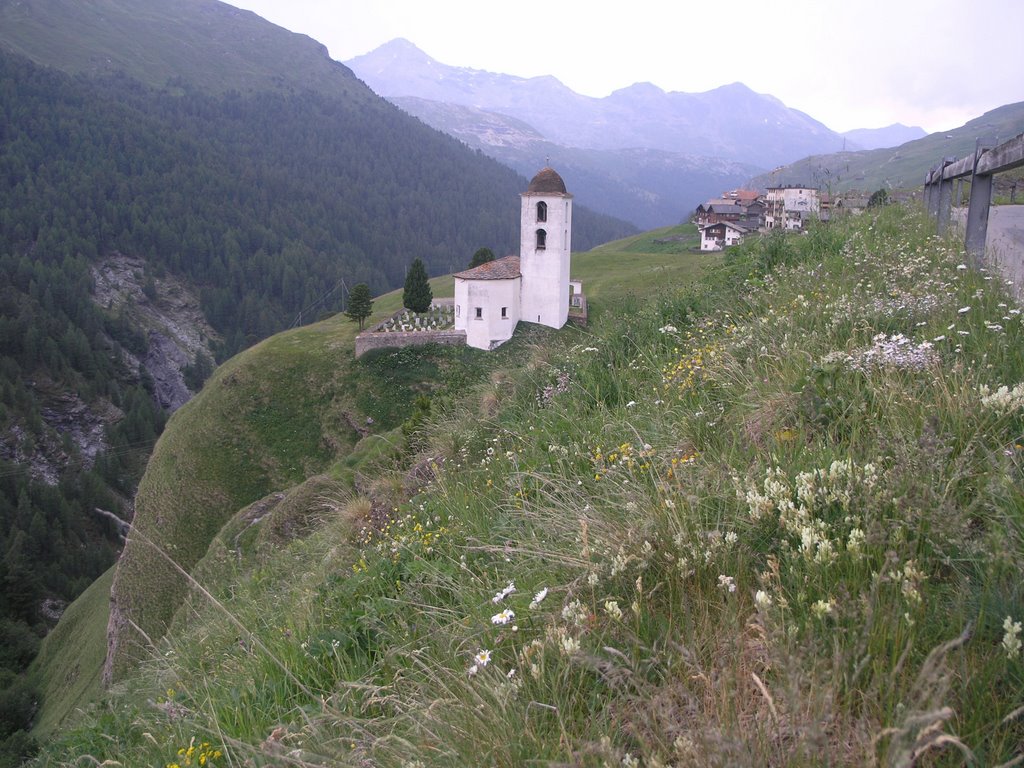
[848, 63]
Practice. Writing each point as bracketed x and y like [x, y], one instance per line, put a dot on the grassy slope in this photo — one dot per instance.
[229, 459]
[774, 518]
[71, 657]
[902, 167]
[756, 544]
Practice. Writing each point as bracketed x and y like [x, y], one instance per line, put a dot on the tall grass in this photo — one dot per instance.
[772, 519]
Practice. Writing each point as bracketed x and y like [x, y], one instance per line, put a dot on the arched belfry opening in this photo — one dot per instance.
[542, 239]
[542, 211]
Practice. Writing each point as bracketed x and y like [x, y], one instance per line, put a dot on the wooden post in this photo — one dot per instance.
[933, 199]
[977, 212]
[945, 195]
[959, 192]
[927, 198]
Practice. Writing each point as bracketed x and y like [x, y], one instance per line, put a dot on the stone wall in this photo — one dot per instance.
[375, 338]
[369, 340]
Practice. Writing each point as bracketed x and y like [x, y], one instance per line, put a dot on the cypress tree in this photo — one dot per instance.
[417, 295]
[360, 305]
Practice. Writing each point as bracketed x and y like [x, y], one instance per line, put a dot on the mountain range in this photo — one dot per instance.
[642, 153]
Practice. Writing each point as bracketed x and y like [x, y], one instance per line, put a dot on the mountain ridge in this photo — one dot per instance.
[675, 122]
[901, 167]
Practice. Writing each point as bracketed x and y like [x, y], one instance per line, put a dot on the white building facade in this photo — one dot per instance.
[715, 237]
[534, 286]
[789, 207]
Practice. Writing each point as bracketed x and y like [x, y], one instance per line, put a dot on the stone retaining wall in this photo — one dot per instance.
[375, 338]
[370, 340]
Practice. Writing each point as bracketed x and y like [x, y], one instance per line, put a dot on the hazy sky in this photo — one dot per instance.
[848, 63]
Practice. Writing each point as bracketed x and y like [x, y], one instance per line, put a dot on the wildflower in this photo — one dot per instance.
[473, 670]
[963, 310]
[855, 543]
[504, 617]
[762, 599]
[1004, 399]
[728, 583]
[668, 329]
[575, 613]
[539, 598]
[569, 644]
[611, 607]
[483, 658]
[1011, 637]
[822, 608]
[502, 594]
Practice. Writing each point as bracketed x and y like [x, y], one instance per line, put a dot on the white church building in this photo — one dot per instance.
[491, 299]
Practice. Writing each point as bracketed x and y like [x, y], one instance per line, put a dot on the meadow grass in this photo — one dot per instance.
[770, 518]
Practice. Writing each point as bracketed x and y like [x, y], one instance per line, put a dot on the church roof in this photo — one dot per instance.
[547, 182]
[506, 268]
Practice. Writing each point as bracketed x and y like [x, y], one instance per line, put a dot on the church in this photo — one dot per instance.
[534, 286]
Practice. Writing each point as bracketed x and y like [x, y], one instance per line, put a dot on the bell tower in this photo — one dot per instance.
[545, 246]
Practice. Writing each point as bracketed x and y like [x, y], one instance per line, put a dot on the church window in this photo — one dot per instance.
[542, 211]
[504, 312]
[458, 310]
[479, 313]
[542, 238]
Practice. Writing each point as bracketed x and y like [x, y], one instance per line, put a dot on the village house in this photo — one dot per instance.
[789, 207]
[740, 206]
[715, 237]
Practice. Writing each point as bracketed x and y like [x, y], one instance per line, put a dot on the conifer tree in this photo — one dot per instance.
[360, 305]
[417, 295]
[482, 256]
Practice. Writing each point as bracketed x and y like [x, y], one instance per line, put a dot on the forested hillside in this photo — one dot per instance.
[266, 205]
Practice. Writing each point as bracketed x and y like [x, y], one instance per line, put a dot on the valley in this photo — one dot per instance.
[765, 506]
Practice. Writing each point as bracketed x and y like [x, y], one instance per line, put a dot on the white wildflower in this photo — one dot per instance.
[483, 658]
[1011, 637]
[822, 608]
[502, 594]
[503, 618]
[762, 599]
[728, 583]
[611, 607]
[539, 598]
[569, 645]
[575, 613]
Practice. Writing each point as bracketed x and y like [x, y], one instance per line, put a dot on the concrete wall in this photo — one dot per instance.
[1004, 242]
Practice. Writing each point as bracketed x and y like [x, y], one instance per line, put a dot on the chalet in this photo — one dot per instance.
[715, 237]
[740, 206]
